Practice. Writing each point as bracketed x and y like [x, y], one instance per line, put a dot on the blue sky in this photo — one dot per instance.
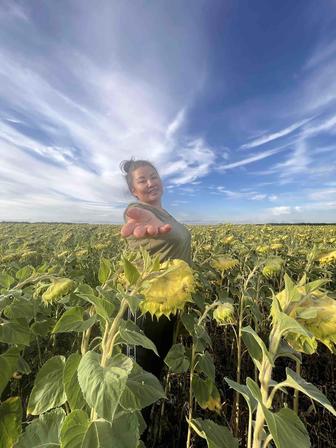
[233, 101]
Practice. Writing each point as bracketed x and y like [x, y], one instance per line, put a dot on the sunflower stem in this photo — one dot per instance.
[192, 367]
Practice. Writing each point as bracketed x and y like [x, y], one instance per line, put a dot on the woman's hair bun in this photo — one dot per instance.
[125, 166]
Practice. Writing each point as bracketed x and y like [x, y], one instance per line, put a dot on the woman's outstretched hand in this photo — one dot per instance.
[141, 223]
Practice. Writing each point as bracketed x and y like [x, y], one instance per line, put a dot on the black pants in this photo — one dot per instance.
[161, 332]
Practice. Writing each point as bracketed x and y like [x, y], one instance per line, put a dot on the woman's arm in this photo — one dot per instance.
[142, 223]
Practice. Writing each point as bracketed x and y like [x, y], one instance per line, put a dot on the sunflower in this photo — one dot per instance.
[228, 240]
[262, 249]
[276, 246]
[328, 258]
[313, 309]
[224, 263]
[224, 314]
[272, 267]
[59, 288]
[168, 289]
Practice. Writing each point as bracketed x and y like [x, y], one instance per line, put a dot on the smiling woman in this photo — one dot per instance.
[150, 226]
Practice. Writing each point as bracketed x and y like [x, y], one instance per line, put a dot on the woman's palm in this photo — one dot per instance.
[141, 223]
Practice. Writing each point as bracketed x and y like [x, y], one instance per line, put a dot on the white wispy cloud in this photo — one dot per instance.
[323, 195]
[323, 52]
[276, 135]
[281, 210]
[300, 210]
[297, 163]
[248, 160]
[245, 194]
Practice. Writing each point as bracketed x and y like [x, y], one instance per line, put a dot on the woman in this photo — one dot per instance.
[149, 225]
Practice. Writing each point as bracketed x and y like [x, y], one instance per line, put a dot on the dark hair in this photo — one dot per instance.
[128, 166]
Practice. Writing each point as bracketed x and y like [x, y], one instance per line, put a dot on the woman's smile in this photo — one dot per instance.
[147, 186]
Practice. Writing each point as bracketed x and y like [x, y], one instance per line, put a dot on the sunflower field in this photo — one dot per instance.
[253, 359]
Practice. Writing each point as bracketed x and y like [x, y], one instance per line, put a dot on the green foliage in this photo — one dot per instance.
[10, 421]
[141, 390]
[73, 320]
[71, 385]
[8, 364]
[176, 359]
[43, 432]
[103, 386]
[217, 436]
[48, 391]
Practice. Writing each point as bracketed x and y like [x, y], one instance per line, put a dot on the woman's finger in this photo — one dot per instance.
[165, 228]
[127, 229]
[152, 230]
[139, 231]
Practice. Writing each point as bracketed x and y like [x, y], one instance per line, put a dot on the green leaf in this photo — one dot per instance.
[245, 392]
[43, 432]
[43, 327]
[105, 269]
[20, 308]
[256, 347]
[205, 364]
[15, 333]
[287, 429]
[132, 334]
[24, 273]
[217, 436]
[133, 302]
[73, 320]
[202, 338]
[71, 384]
[6, 280]
[125, 431]
[80, 432]
[254, 389]
[142, 389]
[48, 391]
[294, 380]
[8, 365]
[5, 300]
[10, 421]
[103, 306]
[201, 389]
[285, 350]
[131, 272]
[101, 386]
[176, 359]
[289, 325]
[189, 321]
[23, 366]
[74, 429]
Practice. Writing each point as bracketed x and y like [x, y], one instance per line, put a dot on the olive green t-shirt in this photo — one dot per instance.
[174, 244]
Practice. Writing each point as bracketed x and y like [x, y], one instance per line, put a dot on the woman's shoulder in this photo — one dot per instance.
[139, 205]
[159, 213]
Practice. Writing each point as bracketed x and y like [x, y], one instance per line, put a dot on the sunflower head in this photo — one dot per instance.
[224, 314]
[272, 267]
[262, 249]
[328, 259]
[167, 290]
[313, 309]
[59, 288]
[224, 263]
[228, 240]
[276, 246]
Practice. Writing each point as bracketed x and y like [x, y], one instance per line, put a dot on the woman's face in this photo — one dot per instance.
[147, 185]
